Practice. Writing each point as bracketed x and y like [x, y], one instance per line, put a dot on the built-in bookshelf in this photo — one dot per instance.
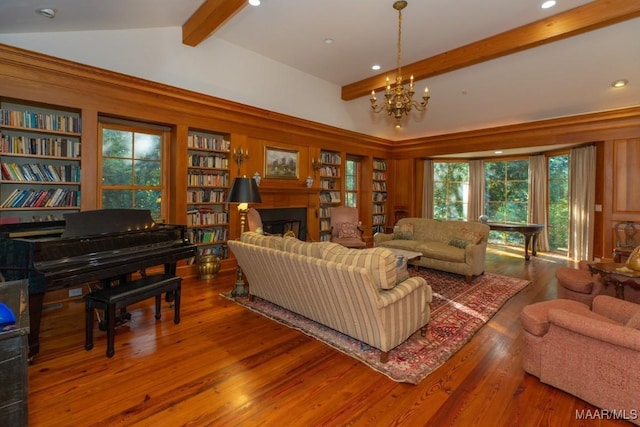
[207, 189]
[330, 189]
[39, 162]
[379, 192]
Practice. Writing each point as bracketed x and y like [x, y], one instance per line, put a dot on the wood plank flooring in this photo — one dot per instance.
[226, 366]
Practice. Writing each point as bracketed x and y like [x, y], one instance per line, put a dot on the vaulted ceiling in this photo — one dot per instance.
[486, 63]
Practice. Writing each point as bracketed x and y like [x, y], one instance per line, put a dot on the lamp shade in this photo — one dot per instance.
[244, 190]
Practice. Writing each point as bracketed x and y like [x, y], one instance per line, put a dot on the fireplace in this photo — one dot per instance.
[281, 220]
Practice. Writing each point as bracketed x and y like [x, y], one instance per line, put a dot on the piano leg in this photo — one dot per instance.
[170, 269]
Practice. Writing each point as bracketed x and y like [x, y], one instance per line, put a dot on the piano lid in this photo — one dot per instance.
[105, 221]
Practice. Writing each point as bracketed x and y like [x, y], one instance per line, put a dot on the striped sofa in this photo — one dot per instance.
[352, 291]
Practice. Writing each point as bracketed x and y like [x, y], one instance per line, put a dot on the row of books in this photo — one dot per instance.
[222, 251]
[327, 157]
[379, 164]
[379, 219]
[379, 176]
[379, 186]
[53, 147]
[208, 161]
[330, 171]
[206, 196]
[208, 179]
[40, 172]
[379, 197]
[206, 217]
[217, 143]
[378, 209]
[40, 120]
[51, 198]
[328, 184]
[212, 235]
[330, 197]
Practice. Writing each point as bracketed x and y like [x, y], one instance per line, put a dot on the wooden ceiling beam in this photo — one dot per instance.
[208, 18]
[591, 16]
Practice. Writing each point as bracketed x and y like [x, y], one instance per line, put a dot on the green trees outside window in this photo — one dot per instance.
[506, 196]
[131, 169]
[450, 190]
[351, 183]
[558, 217]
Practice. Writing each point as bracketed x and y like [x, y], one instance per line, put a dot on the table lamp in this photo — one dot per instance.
[243, 191]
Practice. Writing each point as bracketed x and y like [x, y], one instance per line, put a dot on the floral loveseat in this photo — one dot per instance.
[455, 246]
[350, 290]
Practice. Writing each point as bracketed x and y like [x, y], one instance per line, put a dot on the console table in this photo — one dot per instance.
[530, 232]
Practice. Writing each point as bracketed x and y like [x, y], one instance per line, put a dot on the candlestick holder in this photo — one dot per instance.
[239, 156]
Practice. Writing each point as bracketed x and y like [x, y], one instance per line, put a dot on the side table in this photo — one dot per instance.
[616, 274]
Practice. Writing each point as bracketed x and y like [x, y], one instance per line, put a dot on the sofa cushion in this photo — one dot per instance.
[403, 231]
[441, 251]
[253, 238]
[380, 262]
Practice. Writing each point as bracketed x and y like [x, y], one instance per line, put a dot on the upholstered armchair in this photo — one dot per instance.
[345, 228]
[579, 284]
[593, 354]
[254, 220]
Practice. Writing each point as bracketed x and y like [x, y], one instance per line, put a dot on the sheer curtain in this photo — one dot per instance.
[538, 197]
[476, 190]
[582, 194]
[427, 192]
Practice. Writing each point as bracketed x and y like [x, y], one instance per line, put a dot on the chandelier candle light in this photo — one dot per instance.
[399, 100]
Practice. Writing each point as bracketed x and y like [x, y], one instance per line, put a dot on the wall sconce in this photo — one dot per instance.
[239, 156]
[316, 165]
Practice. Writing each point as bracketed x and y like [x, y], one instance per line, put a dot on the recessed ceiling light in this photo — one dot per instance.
[375, 67]
[254, 2]
[47, 12]
[547, 4]
[328, 40]
[620, 83]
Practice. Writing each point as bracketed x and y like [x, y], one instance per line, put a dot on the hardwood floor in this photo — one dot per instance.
[226, 366]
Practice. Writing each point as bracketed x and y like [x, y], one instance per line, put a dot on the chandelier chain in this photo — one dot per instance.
[398, 99]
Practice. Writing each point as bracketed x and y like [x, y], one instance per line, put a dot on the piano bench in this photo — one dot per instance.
[117, 297]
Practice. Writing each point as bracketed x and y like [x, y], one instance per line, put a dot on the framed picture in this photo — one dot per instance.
[280, 163]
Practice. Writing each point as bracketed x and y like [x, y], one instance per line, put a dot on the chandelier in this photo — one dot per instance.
[398, 99]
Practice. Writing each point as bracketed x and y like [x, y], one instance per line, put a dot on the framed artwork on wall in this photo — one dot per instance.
[281, 163]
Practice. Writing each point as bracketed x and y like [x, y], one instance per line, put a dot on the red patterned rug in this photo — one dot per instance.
[459, 310]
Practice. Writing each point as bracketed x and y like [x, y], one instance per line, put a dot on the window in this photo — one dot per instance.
[506, 196]
[132, 172]
[558, 204]
[450, 190]
[351, 182]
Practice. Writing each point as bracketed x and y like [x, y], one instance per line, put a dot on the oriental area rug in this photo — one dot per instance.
[458, 311]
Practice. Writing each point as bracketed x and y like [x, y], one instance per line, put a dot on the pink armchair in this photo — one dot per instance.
[345, 229]
[593, 354]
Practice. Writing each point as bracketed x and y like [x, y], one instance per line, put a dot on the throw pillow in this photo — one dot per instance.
[403, 231]
[458, 243]
[348, 230]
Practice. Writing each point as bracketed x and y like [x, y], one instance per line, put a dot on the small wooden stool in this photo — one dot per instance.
[115, 297]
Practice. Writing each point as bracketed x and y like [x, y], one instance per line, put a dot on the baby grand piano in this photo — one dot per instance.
[102, 245]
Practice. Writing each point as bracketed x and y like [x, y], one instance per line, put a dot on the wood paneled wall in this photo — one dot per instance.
[34, 77]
